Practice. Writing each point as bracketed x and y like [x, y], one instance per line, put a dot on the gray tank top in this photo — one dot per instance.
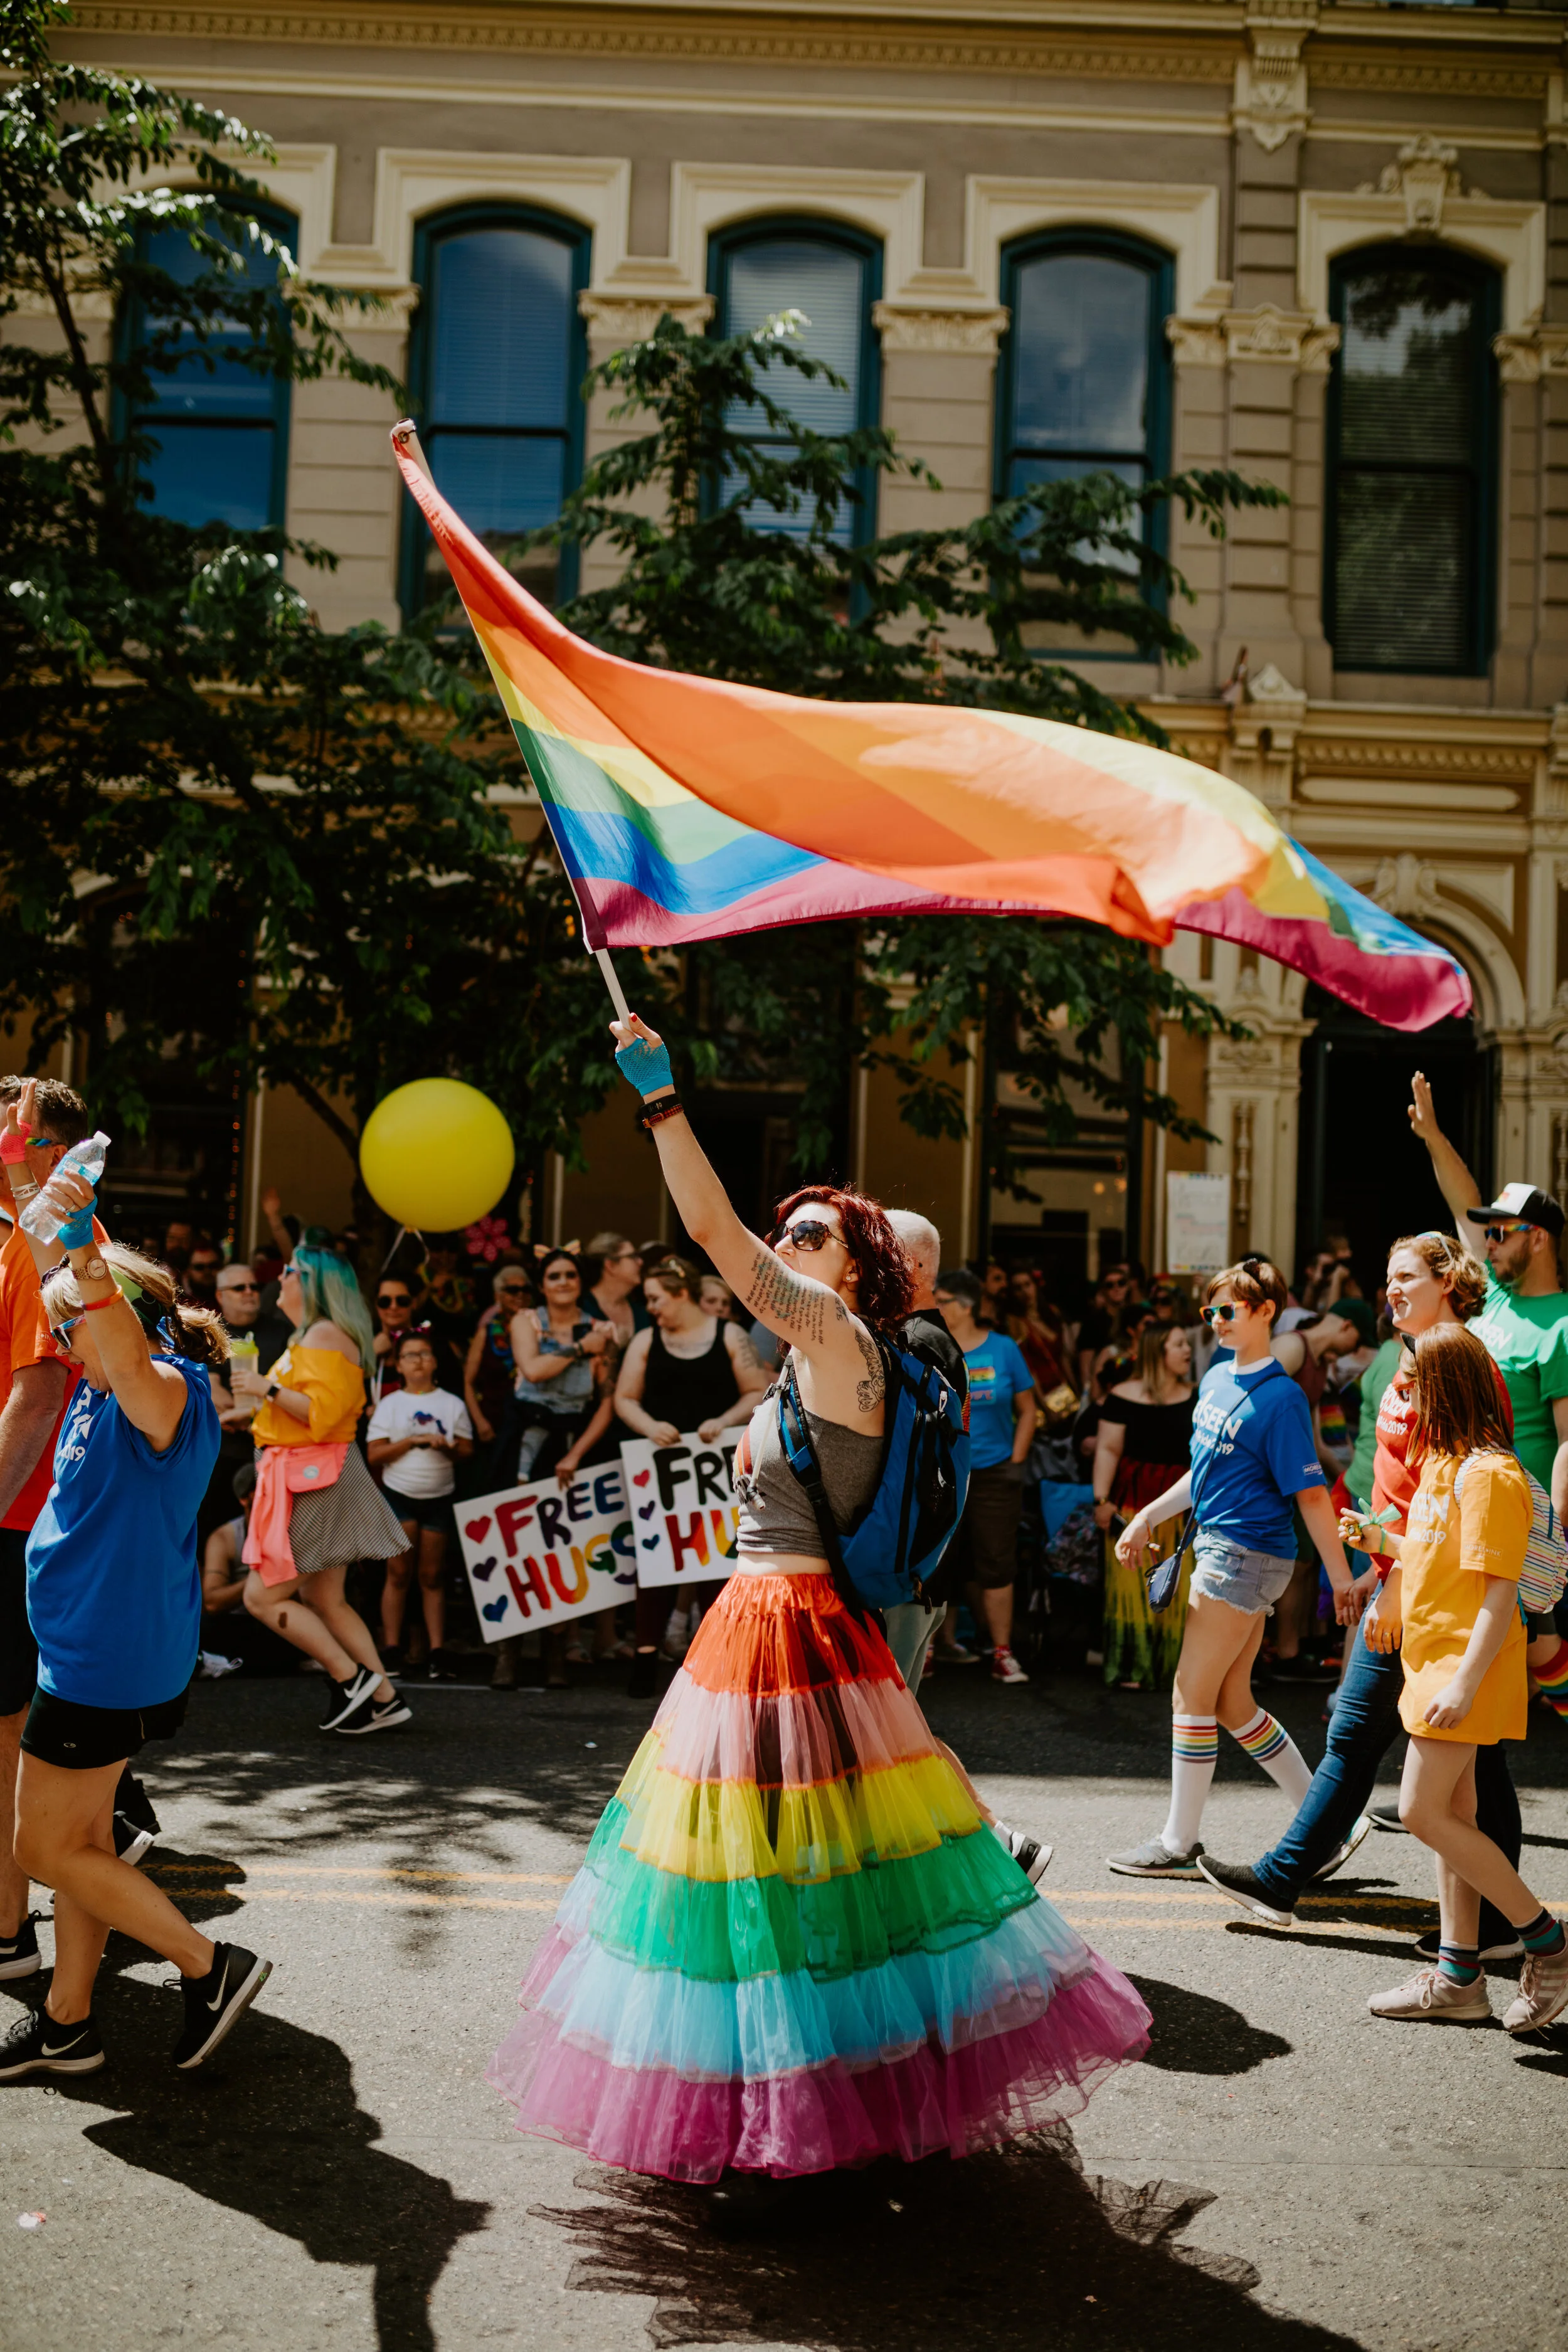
[775, 1511]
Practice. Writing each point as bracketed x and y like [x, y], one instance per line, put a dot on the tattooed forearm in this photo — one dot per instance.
[777, 1295]
[869, 1393]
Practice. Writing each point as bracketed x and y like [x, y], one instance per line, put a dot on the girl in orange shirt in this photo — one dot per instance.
[1452, 1606]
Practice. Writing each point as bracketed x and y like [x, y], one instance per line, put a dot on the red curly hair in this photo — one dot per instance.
[886, 1290]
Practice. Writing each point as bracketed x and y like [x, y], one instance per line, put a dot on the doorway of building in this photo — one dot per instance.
[1359, 1171]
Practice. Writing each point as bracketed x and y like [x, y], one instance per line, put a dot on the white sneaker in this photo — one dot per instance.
[1004, 1666]
[1362, 1827]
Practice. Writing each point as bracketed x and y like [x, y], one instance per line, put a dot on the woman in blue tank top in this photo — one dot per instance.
[114, 1600]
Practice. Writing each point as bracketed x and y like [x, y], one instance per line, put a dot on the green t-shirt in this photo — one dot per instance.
[1373, 1381]
[1528, 1339]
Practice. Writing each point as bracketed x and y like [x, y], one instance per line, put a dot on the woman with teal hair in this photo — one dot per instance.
[317, 1507]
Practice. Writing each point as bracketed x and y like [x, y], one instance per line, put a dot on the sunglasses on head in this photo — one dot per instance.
[807, 1234]
[1506, 1233]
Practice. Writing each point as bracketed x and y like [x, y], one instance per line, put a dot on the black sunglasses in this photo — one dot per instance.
[807, 1234]
[392, 1298]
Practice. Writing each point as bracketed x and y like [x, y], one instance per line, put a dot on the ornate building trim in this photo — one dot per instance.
[940, 330]
[1416, 196]
[1271, 79]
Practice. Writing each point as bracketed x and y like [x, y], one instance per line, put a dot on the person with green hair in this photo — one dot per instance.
[317, 1507]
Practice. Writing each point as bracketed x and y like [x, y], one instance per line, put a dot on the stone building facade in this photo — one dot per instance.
[990, 169]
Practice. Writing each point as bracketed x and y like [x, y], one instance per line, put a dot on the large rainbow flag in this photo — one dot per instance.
[690, 808]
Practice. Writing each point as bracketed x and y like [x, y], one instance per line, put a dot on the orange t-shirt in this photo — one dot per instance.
[25, 1339]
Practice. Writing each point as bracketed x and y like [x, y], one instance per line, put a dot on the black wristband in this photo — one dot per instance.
[652, 1114]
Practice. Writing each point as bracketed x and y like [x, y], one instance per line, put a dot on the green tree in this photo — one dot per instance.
[275, 850]
[726, 521]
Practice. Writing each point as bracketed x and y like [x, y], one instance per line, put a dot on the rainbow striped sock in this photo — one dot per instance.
[1195, 1750]
[1269, 1743]
[1553, 1679]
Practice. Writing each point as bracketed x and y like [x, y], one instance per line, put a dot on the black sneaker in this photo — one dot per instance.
[37, 2046]
[346, 1697]
[443, 1667]
[1032, 1858]
[1240, 1883]
[136, 1825]
[218, 2000]
[1508, 1949]
[1386, 1817]
[19, 1954]
[382, 1715]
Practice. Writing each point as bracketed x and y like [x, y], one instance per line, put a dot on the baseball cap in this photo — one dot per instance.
[1525, 1204]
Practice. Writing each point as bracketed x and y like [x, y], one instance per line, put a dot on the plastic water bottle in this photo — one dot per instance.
[44, 1216]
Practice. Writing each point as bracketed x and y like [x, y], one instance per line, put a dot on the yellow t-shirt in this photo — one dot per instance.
[335, 1389]
[1451, 1545]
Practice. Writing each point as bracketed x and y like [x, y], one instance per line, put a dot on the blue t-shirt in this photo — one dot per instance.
[997, 1373]
[1252, 1450]
[114, 1597]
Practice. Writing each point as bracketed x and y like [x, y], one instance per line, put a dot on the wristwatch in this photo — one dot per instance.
[271, 1390]
[95, 1269]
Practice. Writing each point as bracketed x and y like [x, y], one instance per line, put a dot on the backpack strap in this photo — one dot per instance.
[798, 1452]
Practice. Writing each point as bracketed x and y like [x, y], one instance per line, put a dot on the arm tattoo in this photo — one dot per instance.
[869, 1393]
[745, 1360]
[777, 1295]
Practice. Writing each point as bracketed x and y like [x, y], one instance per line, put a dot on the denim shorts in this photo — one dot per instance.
[1252, 1581]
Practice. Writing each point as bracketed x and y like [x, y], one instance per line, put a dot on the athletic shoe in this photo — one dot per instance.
[958, 1655]
[1240, 1883]
[1032, 1858]
[1429, 1944]
[37, 2046]
[374, 1713]
[1004, 1666]
[215, 2003]
[1542, 1992]
[136, 1825]
[346, 1697]
[442, 1667]
[1386, 1817]
[1360, 1828]
[19, 1954]
[1155, 1860]
[1439, 2001]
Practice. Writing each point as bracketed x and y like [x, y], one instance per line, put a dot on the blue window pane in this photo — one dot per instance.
[213, 473]
[501, 329]
[1080, 353]
[228, 388]
[499, 481]
[1025, 472]
[828, 284]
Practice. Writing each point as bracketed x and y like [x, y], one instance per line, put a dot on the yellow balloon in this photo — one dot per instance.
[435, 1154]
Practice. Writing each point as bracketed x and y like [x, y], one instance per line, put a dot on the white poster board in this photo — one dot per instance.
[683, 1510]
[542, 1554]
[1197, 1224]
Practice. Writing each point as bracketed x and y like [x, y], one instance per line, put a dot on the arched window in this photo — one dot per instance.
[496, 365]
[1083, 384]
[1412, 462]
[219, 438]
[833, 275]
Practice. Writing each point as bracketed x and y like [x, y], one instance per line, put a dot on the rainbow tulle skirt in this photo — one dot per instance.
[794, 1944]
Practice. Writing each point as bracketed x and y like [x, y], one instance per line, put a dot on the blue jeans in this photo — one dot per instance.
[1365, 1722]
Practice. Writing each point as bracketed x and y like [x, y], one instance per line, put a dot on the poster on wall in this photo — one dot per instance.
[542, 1554]
[1197, 1224]
[681, 1500]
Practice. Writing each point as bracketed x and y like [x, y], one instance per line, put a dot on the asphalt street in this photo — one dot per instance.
[1282, 2172]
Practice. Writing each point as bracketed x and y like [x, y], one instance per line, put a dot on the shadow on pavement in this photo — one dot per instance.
[270, 2127]
[1192, 2033]
[1015, 2247]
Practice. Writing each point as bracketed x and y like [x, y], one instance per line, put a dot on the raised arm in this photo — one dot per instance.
[813, 1318]
[1454, 1182]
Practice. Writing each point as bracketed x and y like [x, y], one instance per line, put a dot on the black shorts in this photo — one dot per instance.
[83, 1739]
[987, 1537]
[18, 1651]
[431, 1512]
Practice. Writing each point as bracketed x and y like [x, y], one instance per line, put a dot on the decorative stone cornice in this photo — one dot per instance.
[1525, 357]
[1407, 885]
[904, 329]
[1271, 79]
[604, 31]
[1461, 77]
[616, 319]
[1292, 339]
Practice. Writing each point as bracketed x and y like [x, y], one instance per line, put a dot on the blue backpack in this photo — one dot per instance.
[898, 1539]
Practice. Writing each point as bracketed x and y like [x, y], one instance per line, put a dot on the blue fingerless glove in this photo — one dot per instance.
[76, 1230]
[647, 1067]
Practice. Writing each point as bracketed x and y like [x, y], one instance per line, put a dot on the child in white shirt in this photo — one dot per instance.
[417, 1434]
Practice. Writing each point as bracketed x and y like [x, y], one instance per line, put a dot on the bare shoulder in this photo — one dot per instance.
[1289, 1350]
[1132, 1393]
[637, 1348]
[332, 1336]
